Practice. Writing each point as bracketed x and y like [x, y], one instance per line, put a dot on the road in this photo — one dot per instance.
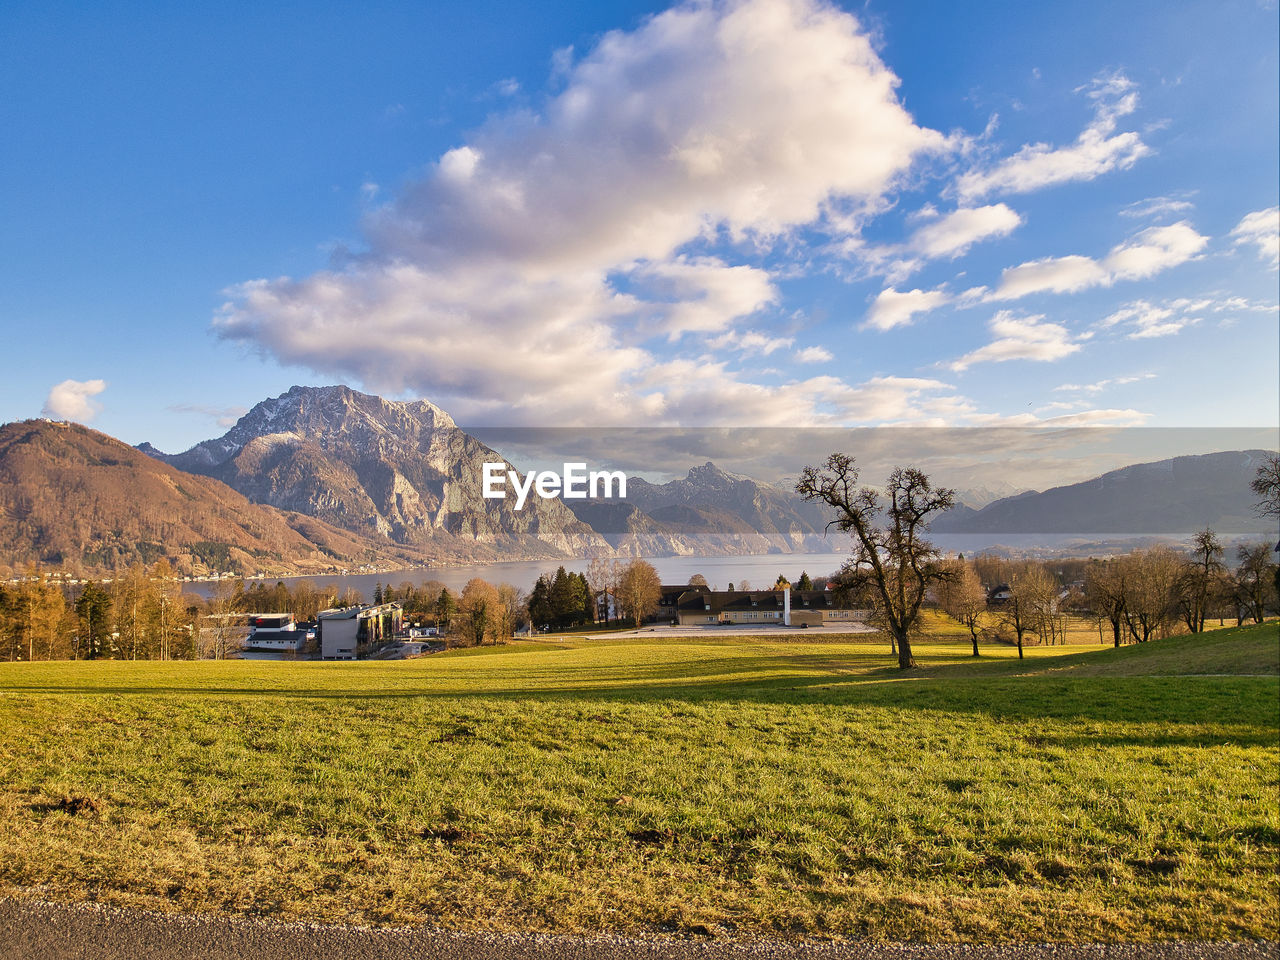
[766, 631]
[33, 930]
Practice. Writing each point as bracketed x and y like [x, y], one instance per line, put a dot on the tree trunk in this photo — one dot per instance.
[905, 660]
[973, 635]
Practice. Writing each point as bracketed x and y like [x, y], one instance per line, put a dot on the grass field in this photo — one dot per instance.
[729, 787]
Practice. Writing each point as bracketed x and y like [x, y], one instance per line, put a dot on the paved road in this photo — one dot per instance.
[768, 631]
[31, 930]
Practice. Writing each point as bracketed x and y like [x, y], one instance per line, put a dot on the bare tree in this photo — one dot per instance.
[893, 557]
[963, 598]
[639, 590]
[226, 630]
[600, 581]
[478, 610]
[307, 601]
[1195, 585]
[1266, 484]
[1105, 593]
[1042, 595]
[1030, 588]
[511, 600]
[1150, 590]
[1253, 581]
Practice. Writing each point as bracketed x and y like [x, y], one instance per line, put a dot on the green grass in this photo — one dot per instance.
[734, 786]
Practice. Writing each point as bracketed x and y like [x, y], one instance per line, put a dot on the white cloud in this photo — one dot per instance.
[1262, 229]
[1155, 207]
[752, 343]
[1059, 405]
[1098, 149]
[1083, 418]
[1143, 255]
[1143, 320]
[1147, 321]
[1051, 275]
[1020, 338]
[70, 400]
[814, 355]
[955, 233]
[1100, 385]
[894, 308]
[1154, 250]
[690, 390]
[527, 276]
[704, 293]
[948, 236]
[222, 416]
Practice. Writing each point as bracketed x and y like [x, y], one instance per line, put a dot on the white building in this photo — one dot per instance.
[344, 632]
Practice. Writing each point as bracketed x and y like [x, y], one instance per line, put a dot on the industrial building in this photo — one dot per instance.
[349, 633]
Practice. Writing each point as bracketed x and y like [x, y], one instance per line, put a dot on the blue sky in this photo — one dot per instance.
[770, 212]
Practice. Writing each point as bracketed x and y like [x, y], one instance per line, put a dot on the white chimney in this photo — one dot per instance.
[786, 604]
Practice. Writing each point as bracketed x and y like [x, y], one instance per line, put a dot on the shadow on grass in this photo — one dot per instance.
[1232, 709]
[1171, 711]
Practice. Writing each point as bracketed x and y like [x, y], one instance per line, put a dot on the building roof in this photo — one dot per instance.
[365, 610]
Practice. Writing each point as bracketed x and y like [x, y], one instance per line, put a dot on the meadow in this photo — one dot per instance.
[725, 787]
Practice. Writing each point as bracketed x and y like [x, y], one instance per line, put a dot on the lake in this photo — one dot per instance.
[759, 570]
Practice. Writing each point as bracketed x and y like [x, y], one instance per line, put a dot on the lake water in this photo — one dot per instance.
[760, 571]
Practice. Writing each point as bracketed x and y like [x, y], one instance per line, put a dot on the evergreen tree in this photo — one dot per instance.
[540, 612]
[93, 609]
[446, 607]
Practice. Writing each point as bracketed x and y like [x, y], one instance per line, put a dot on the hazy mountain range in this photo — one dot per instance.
[1173, 496]
[325, 478]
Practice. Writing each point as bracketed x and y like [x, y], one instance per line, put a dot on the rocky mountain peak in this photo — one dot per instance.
[709, 475]
[323, 415]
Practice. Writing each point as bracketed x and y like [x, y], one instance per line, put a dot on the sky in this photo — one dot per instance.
[589, 214]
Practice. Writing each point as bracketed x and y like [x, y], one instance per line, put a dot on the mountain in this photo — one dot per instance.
[79, 499]
[402, 473]
[978, 497]
[1175, 496]
[708, 511]
[405, 473]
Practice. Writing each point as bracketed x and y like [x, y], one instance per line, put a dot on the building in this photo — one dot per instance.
[669, 600]
[795, 608]
[347, 634]
[276, 631]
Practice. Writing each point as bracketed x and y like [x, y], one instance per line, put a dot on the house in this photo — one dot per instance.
[667, 610]
[781, 607]
[999, 595]
[276, 631]
[669, 599]
[345, 633]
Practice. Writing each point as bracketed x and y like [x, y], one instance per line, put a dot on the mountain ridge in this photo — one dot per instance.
[1176, 495]
[402, 471]
[327, 477]
[74, 497]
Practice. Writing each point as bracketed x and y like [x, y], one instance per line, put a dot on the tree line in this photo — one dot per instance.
[1139, 596]
[895, 569]
[142, 613]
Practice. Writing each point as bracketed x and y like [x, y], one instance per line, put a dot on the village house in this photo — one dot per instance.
[698, 606]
